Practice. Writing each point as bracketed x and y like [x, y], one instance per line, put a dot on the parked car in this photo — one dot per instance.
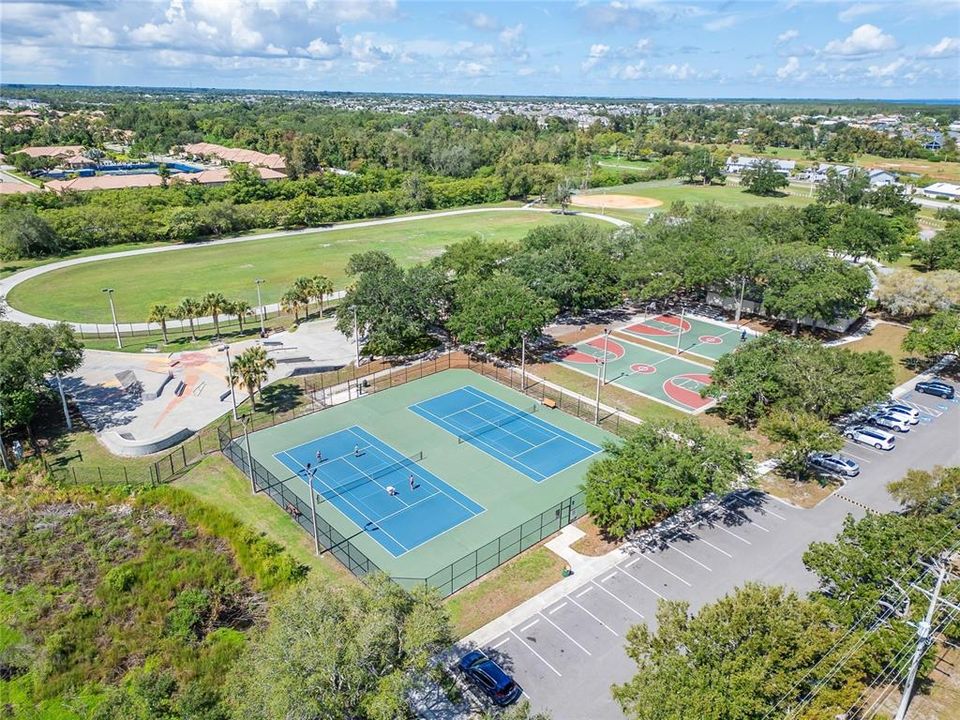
[489, 677]
[890, 421]
[879, 439]
[835, 463]
[935, 387]
[900, 415]
[902, 408]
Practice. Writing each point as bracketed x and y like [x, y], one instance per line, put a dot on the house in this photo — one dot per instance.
[53, 151]
[77, 161]
[879, 178]
[942, 190]
[934, 141]
[737, 164]
[205, 151]
[216, 176]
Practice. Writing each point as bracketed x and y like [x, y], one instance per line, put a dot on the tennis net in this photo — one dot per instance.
[494, 424]
[365, 477]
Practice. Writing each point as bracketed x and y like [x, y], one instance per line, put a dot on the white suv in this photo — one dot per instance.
[875, 437]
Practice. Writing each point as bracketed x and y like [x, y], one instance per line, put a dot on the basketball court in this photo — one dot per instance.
[696, 335]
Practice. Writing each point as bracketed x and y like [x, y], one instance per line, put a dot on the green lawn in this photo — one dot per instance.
[726, 195]
[74, 293]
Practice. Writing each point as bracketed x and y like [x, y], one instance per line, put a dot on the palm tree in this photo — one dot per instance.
[240, 308]
[188, 309]
[303, 286]
[249, 370]
[215, 304]
[320, 287]
[291, 301]
[160, 313]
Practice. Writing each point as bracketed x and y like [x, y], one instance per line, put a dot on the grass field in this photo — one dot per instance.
[888, 337]
[726, 195]
[74, 293]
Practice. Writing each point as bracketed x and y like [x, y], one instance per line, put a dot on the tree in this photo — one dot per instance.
[763, 178]
[163, 172]
[160, 313]
[776, 371]
[303, 287]
[659, 469]
[499, 312]
[700, 164]
[292, 301]
[863, 232]
[188, 309]
[562, 195]
[848, 188]
[24, 234]
[250, 370]
[215, 304]
[333, 651]
[909, 295]
[242, 309]
[246, 185]
[320, 287]
[891, 199]
[925, 492]
[800, 434]
[934, 336]
[942, 251]
[743, 656]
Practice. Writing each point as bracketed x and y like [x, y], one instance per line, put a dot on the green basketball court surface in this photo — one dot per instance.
[669, 379]
[418, 476]
[697, 336]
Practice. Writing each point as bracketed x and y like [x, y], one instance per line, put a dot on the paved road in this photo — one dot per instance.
[567, 652]
[7, 284]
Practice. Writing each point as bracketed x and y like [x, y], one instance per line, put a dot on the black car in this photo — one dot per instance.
[489, 677]
[935, 387]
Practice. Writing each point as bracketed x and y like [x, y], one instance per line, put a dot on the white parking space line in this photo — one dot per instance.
[502, 642]
[542, 659]
[565, 634]
[690, 557]
[589, 589]
[633, 562]
[765, 509]
[754, 522]
[561, 606]
[669, 572]
[613, 574]
[600, 587]
[848, 451]
[641, 582]
[867, 448]
[743, 540]
[710, 544]
[529, 625]
[594, 616]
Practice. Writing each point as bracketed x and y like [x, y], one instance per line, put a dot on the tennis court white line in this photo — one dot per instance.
[600, 587]
[534, 419]
[408, 507]
[565, 634]
[503, 427]
[616, 634]
[324, 437]
[309, 479]
[496, 451]
[374, 480]
[641, 582]
[542, 659]
[669, 572]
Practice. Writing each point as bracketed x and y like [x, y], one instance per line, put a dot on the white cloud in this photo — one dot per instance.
[787, 35]
[864, 40]
[857, 10]
[790, 70]
[320, 48]
[722, 23]
[756, 71]
[888, 70]
[677, 72]
[471, 69]
[526, 71]
[482, 21]
[597, 52]
[643, 45]
[947, 47]
[631, 72]
[90, 32]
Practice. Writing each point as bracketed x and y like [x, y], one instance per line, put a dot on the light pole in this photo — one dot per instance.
[680, 329]
[3, 449]
[523, 363]
[63, 398]
[596, 416]
[263, 310]
[113, 314]
[356, 334]
[246, 442]
[606, 335]
[233, 394]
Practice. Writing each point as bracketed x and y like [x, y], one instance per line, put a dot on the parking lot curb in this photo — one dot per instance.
[857, 503]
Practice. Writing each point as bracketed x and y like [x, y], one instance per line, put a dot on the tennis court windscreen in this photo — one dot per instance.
[494, 424]
[356, 481]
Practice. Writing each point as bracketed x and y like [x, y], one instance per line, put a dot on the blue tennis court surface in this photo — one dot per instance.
[514, 436]
[353, 473]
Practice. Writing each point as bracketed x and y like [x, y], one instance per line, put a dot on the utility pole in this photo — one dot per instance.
[680, 329]
[313, 511]
[356, 335]
[263, 310]
[113, 314]
[606, 336]
[924, 635]
[246, 441]
[743, 290]
[233, 394]
[596, 415]
[523, 363]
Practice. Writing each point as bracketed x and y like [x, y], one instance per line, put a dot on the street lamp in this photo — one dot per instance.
[63, 398]
[263, 310]
[233, 394]
[606, 336]
[356, 335]
[596, 417]
[523, 363]
[113, 313]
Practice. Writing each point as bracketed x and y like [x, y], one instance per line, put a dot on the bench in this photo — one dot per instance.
[547, 402]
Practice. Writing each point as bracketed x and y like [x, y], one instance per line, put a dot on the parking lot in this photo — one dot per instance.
[567, 650]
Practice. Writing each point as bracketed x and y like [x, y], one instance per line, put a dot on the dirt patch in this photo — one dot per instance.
[806, 494]
[595, 542]
[615, 202]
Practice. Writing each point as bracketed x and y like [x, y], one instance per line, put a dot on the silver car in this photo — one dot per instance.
[890, 421]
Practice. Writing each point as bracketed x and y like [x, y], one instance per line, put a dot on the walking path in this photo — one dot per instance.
[7, 284]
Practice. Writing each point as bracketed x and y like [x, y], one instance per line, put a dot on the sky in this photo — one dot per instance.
[612, 48]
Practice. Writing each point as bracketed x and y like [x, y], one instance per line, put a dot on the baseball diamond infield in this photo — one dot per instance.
[616, 202]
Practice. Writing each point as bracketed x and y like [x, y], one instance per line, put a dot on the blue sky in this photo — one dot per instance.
[626, 48]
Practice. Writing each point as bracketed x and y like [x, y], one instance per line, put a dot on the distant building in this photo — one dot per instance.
[947, 191]
[207, 151]
[54, 151]
[879, 178]
[216, 176]
[736, 164]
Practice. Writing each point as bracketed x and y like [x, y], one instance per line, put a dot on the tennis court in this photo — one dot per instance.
[670, 379]
[697, 336]
[391, 497]
[515, 437]
[468, 495]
